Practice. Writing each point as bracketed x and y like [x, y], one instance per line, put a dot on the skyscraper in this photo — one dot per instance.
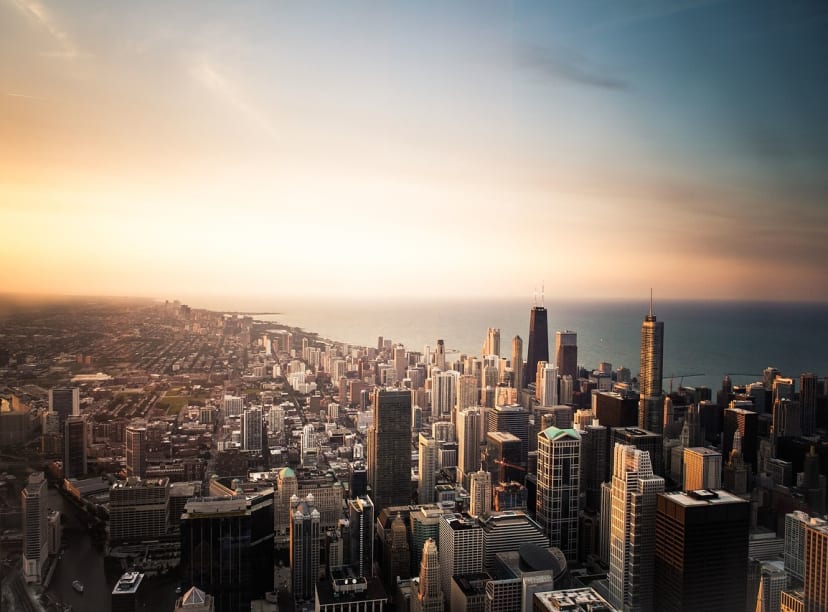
[428, 469]
[429, 596]
[252, 429]
[468, 391]
[632, 518]
[480, 493]
[469, 425]
[650, 411]
[808, 402]
[443, 392]
[304, 548]
[492, 344]
[517, 362]
[747, 423]
[35, 540]
[389, 449]
[65, 402]
[136, 450]
[566, 353]
[702, 469]
[816, 567]
[361, 527]
[548, 385]
[440, 354]
[557, 505]
[515, 420]
[461, 547]
[538, 343]
[701, 551]
[74, 447]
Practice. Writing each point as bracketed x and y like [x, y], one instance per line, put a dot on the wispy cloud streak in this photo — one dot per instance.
[35, 11]
[565, 65]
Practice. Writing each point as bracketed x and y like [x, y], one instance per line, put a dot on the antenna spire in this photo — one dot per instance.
[651, 301]
[543, 291]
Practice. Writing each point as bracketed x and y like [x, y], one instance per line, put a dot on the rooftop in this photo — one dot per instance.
[703, 497]
[128, 583]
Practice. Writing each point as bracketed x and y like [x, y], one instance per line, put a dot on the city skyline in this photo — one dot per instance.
[147, 150]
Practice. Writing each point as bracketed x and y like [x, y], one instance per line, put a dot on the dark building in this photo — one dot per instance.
[701, 551]
[712, 420]
[127, 596]
[616, 410]
[747, 422]
[594, 464]
[389, 449]
[538, 343]
[566, 353]
[74, 447]
[503, 457]
[65, 402]
[641, 439]
[227, 548]
[515, 420]
[808, 402]
[358, 479]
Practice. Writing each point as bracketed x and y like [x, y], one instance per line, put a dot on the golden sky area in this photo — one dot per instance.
[359, 149]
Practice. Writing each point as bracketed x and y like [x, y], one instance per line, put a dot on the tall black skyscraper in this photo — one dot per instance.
[538, 343]
[389, 449]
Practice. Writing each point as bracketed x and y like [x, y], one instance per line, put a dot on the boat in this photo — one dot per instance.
[78, 586]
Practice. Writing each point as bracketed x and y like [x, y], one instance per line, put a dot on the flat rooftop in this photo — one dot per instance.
[128, 583]
[704, 497]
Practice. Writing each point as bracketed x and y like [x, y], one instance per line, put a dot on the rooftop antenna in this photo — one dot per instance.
[543, 290]
[651, 301]
[535, 295]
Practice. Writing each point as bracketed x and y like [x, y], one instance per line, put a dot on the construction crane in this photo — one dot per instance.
[681, 378]
[502, 463]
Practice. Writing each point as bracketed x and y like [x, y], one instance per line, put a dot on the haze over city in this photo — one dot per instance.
[429, 149]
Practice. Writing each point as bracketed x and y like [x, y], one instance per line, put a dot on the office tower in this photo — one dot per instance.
[615, 409]
[538, 343]
[34, 512]
[769, 375]
[783, 388]
[65, 402]
[443, 431]
[74, 447]
[808, 402]
[443, 392]
[816, 567]
[308, 438]
[492, 344]
[136, 451]
[787, 418]
[469, 424]
[287, 486]
[594, 462]
[227, 548]
[127, 593]
[509, 496]
[468, 391]
[507, 532]
[632, 517]
[515, 420]
[389, 449]
[400, 361]
[428, 469]
[772, 581]
[304, 548]
[701, 551]
[396, 553]
[425, 523]
[642, 440]
[557, 505]
[503, 457]
[232, 405]
[736, 471]
[794, 552]
[429, 595]
[461, 547]
[566, 353]
[440, 355]
[548, 385]
[649, 383]
[480, 493]
[138, 509]
[251, 429]
[517, 363]
[702, 469]
[361, 527]
[567, 389]
[747, 423]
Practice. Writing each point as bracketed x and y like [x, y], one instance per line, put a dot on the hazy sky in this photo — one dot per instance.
[415, 148]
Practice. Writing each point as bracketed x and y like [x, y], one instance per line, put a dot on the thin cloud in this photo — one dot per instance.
[566, 65]
[26, 96]
[649, 11]
[211, 78]
[35, 11]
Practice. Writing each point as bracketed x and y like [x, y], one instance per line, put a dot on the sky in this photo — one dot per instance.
[364, 149]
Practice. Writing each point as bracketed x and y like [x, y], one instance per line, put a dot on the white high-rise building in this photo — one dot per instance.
[308, 438]
[468, 391]
[559, 452]
[492, 344]
[632, 529]
[480, 493]
[549, 385]
[276, 420]
[428, 469]
[443, 392]
[461, 548]
[35, 530]
[232, 406]
[469, 423]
